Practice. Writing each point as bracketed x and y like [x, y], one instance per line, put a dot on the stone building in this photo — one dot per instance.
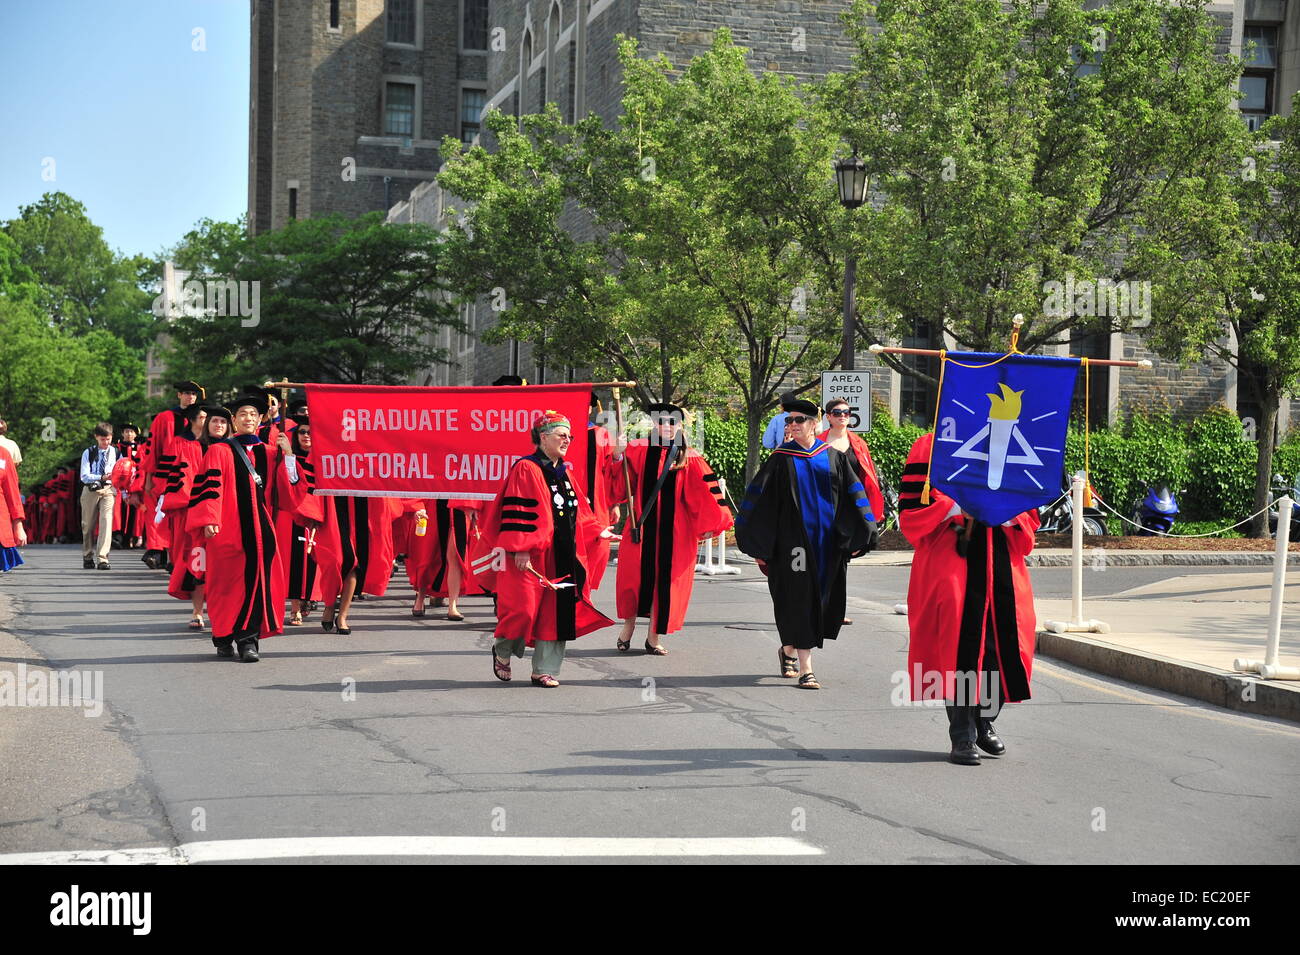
[333, 92]
[350, 100]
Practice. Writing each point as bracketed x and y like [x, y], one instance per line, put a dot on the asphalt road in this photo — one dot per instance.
[705, 743]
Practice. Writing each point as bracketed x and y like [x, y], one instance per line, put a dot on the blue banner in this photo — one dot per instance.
[999, 448]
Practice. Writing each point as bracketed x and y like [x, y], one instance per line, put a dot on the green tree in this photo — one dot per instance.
[1236, 295]
[715, 243]
[339, 300]
[84, 285]
[1015, 144]
[52, 388]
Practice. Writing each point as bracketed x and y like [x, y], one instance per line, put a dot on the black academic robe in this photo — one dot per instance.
[770, 528]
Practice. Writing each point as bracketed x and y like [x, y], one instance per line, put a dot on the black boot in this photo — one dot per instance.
[989, 740]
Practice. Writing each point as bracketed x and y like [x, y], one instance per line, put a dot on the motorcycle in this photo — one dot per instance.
[1155, 512]
[1280, 489]
[1057, 517]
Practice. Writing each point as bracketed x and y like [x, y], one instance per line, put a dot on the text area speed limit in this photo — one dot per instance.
[853, 387]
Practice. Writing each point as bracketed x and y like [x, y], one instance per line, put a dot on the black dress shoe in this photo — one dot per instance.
[990, 743]
[248, 652]
[87, 563]
[963, 754]
[226, 650]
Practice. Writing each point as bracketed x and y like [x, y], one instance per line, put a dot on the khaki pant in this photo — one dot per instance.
[97, 505]
[548, 655]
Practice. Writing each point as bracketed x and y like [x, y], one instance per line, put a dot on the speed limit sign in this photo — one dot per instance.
[853, 387]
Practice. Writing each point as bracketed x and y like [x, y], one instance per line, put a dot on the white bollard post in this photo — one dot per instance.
[706, 566]
[1268, 668]
[1077, 624]
[1076, 551]
[1279, 580]
[722, 567]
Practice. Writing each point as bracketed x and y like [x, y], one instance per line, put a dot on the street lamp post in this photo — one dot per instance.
[851, 177]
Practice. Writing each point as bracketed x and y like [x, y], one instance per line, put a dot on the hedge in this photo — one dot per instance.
[1206, 461]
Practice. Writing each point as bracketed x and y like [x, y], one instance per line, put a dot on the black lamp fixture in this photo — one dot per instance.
[851, 177]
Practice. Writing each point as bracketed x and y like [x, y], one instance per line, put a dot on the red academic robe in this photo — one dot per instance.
[156, 463]
[426, 556]
[186, 547]
[67, 519]
[523, 518]
[601, 492]
[961, 608]
[866, 467]
[655, 576]
[11, 502]
[294, 504]
[245, 589]
[357, 534]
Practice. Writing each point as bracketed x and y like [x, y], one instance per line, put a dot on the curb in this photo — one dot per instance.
[1118, 558]
[1220, 687]
[1114, 558]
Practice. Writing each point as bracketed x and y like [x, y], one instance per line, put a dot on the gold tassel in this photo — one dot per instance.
[1087, 494]
[925, 492]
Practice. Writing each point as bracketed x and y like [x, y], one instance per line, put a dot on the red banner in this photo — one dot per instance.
[375, 441]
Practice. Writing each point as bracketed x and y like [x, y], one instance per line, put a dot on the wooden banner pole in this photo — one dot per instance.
[593, 384]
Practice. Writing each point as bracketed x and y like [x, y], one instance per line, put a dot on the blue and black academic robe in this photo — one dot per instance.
[804, 515]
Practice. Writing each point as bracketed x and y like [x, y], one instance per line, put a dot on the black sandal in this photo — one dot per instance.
[622, 646]
[809, 681]
[789, 665]
[659, 651]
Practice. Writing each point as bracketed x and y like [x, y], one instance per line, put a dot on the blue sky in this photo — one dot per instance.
[146, 132]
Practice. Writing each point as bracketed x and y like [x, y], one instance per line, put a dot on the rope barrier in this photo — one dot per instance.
[1098, 499]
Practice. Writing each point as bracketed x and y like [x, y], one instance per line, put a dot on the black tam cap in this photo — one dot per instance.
[192, 412]
[193, 386]
[131, 426]
[661, 408]
[802, 406]
[257, 401]
[507, 380]
[217, 411]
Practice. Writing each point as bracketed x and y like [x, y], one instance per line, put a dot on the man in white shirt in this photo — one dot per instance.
[97, 496]
[9, 444]
[774, 436]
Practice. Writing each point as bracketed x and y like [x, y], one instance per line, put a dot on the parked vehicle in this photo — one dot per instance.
[1275, 492]
[1058, 516]
[1155, 512]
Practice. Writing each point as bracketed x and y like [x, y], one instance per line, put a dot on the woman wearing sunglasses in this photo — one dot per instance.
[804, 515]
[838, 415]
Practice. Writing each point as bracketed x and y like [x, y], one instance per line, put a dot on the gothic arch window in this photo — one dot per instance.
[521, 85]
[553, 29]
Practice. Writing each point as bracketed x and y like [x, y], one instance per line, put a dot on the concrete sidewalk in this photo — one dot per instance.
[1182, 634]
[1060, 557]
